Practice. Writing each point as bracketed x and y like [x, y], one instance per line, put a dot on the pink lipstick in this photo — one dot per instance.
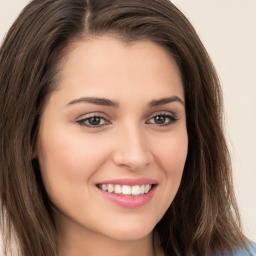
[129, 193]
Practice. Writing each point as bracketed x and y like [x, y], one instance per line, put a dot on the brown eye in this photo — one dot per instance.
[163, 119]
[160, 119]
[93, 121]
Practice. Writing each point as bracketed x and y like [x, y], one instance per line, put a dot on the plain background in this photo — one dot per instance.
[228, 31]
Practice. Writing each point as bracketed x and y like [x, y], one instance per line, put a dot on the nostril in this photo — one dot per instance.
[133, 161]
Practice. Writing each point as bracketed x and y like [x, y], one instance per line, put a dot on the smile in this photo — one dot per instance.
[126, 189]
[128, 193]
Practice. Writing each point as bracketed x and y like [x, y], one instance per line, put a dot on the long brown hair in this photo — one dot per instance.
[204, 216]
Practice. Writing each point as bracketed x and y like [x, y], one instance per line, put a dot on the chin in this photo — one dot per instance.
[131, 231]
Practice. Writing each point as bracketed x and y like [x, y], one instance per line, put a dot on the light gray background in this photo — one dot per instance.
[228, 30]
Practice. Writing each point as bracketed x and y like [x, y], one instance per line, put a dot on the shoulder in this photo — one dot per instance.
[250, 251]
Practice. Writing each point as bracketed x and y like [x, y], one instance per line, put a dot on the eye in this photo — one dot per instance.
[93, 121]
[163, 119]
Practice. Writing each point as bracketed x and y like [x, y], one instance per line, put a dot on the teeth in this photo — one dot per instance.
[110, 188]
[126, 190]
[104, 187]
[142, 189]
[135, 190]
[118, 189]
[147, 188]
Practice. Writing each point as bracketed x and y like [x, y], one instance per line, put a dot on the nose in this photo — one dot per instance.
[131, 149]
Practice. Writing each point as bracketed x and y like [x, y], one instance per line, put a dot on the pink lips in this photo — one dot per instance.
[129, 201]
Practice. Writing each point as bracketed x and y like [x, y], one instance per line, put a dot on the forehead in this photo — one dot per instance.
[108, 67]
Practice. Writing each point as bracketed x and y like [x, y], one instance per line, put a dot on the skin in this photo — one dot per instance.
[128, 143]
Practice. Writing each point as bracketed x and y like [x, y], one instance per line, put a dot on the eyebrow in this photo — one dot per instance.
[110, 103]
[165, 101]
[96, 101]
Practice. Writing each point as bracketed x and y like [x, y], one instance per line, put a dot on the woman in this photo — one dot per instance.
[111, 134]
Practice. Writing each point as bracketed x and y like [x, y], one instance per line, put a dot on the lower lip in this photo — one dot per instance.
[129, 201]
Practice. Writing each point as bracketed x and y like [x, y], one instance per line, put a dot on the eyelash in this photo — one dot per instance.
[85, 122]
[172, 119]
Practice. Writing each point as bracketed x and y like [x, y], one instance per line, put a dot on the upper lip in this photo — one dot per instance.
[130, 182]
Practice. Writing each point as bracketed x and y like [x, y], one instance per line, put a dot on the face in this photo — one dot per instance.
[113, 141]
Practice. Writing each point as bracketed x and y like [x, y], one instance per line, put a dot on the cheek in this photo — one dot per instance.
[69, 161]
[171, 160]
[67, 167]
[172, 154]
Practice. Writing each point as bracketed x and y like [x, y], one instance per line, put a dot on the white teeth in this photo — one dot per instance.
[118, 189]
[135, 190]
[126, 189]
[147, 188]
[110, 188]
[104, 187]
[142, 189]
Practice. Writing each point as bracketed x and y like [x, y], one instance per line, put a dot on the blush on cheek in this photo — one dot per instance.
[174, 153]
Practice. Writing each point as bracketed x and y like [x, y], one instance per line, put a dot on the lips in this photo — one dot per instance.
[130, 193]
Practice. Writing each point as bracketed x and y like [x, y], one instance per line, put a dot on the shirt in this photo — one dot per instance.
[250, 251]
